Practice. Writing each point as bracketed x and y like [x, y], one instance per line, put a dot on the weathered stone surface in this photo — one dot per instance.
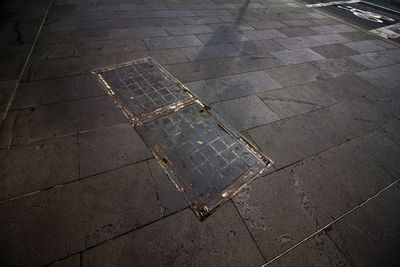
[258, 47]
[189, 242]
[263, 34]
[275, 212]
[172, 42]
[296, 100]
[46, 92]
[338, 67]
[297, 31]
[188, 29]
[384, 77]
[110, 148]
[334, 50]
[252, 63]
[373, 60]
[296, 74]
[222, 37]
[296, 138]
[56, 223]
[170, 198]
[245, 113]
[194, 71]
[39, 166]
[354, 117]
[69, 66]
[364, 46]
[31, 125]
[338, 28]
[6, 89]
[336, 181]
[370, 235]
[346, 86]
[210, 51]
[233, 86]
[297, 56]
[317, 251]
[263, 25]
[72, 261]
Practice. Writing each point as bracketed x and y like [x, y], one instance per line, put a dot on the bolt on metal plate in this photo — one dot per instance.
[206, 159]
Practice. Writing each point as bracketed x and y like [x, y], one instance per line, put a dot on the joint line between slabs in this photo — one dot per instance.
[333, 222]
[25, 64]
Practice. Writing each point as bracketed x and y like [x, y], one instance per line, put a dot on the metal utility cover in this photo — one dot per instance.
[204, 157]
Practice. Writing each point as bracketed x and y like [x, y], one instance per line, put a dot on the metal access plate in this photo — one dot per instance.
[204, 157]
[142, 88]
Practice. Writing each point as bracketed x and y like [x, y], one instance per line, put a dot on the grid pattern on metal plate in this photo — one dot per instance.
[205, 161]
[205, 154]
[143, 88]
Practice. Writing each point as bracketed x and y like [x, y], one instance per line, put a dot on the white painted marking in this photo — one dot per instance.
[333, 3]
[391, 31]
[368, 15]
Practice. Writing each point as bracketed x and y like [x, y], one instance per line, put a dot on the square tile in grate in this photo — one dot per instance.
[142, 88]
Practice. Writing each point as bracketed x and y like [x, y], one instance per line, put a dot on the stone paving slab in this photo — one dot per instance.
[320, 250]
[291, 101]
[346, 86]
[188, 242]
[331, 123]
[233, 86]
[56, 223]
[112, 147]
[38, 166]
[272, 208]
[385, 77]
[258, 47]
[73, 261]
[33, 94]
[296, 132]
[338, 67]
[334, 50]
[373, 226]
[210, 51]
[296, 74]
[364, 46]
[56, 68]
[248, 63]
[170, 199]
[172, 42]
[6, 89]
[31, 125]
[194, 71]
[245, 113]
[297, 56]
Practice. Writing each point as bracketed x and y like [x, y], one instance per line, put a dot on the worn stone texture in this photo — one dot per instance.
[111, 147]
[56, 223]
[170, 198]
[188, 242]
[35, 124]
[370, 235]
[290, 140]
[318, 96]
[319, 250]
[275, 212]
[291, 101]
[245, 113]
[39, 93]
[233, 86]
[39, 166]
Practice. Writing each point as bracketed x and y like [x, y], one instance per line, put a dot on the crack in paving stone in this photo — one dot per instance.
[206, 159]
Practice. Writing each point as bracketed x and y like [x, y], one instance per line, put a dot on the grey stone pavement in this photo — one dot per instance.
[320, 97]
